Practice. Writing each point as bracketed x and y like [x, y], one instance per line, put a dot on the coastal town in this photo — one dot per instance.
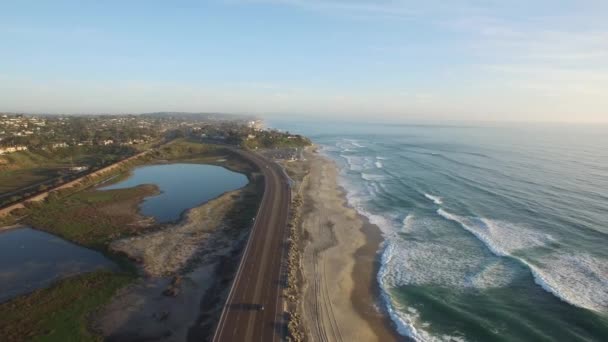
[20, 132]
[38, 152]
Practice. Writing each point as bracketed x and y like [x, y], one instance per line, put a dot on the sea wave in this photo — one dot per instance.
[349, 143]
[419, 262]
[436, 199]
[403, 321]
[355, 143]
[408, 223]
[502, 238]
[406, 319]
[357, 163]
[578, 279]
[581, 279]
[428, 256]
[372, 177]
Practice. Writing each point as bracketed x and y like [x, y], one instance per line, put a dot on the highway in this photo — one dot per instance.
[258, 279]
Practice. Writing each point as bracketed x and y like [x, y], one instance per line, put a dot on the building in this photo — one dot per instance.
[11, 149]
[79, 168]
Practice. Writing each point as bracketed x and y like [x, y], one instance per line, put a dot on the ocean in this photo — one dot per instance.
[492, 232]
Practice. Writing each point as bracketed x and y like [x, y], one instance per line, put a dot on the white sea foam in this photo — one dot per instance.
[357, 163]
[436, 199]
[349, 143]
[431, 263]
[408, 223]
[329, 148]
[407, 319]
[356, 143]
[420, 262]
[579, 279]
[445, 262]
[373, 188]
[372, 177]
[354, 163]
[379, 164]
[502, 238]
[405, 323]
[430, 257]
[492, 275]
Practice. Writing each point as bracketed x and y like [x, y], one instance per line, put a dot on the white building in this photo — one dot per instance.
[11, 149]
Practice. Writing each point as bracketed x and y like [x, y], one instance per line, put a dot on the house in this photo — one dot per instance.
[11, 149]
[79, 168]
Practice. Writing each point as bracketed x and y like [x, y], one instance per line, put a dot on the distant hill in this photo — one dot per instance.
[200, 116]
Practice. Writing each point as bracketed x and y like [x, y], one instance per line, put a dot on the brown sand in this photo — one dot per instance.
[339, 264]
[167, 251]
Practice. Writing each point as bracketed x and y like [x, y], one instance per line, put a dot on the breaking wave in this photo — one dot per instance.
[407, 319]
[436, 199]
[578, 279]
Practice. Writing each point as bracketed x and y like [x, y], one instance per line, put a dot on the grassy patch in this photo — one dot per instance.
[60, 313]
[88, 217]
[192, 151]
[26, 168]
[11, 180]
[181, 148]
[95, 218]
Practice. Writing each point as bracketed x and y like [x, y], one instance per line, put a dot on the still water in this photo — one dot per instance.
[182, 186]
[31, 259]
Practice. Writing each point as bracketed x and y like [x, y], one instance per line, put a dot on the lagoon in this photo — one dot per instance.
[182, 186]
[32, 259]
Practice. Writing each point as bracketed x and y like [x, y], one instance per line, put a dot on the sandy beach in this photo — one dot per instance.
[340, 299]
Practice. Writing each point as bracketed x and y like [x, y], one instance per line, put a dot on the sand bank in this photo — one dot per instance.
[184, 264]
[169, 250]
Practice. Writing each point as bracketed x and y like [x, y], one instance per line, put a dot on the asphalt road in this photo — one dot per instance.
[258, 279]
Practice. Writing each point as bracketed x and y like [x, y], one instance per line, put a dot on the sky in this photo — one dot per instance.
[372, 60]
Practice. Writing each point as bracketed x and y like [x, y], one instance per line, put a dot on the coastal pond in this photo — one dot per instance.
[182, 186]
[31, 259]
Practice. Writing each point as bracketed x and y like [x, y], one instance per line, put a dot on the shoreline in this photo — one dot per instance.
[341, 299]
[380, 316]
